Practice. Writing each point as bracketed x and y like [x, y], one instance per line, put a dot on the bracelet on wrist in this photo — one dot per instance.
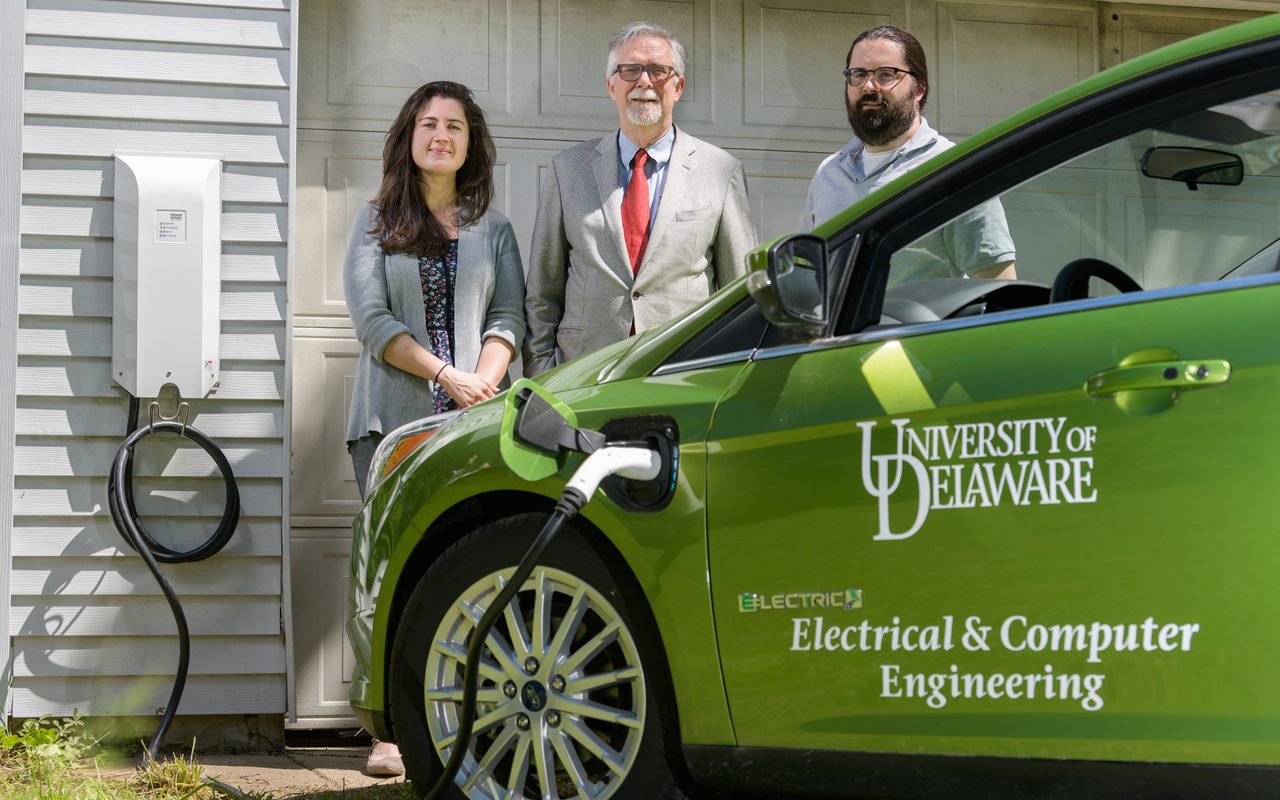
[440, 371]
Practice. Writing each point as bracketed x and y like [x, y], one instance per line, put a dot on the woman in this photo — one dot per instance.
[433, 282]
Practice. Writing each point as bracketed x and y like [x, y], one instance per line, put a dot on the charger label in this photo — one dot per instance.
[171, 226]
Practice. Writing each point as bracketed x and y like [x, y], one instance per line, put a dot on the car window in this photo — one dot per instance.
[1192, 200]
[1265, 260]
[738, 330]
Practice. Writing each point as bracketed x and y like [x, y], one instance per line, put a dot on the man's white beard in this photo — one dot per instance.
[645, 113]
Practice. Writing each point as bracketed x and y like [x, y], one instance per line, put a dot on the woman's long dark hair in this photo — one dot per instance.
[405, 224]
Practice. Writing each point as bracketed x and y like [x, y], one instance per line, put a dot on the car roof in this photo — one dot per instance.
[1178, 53]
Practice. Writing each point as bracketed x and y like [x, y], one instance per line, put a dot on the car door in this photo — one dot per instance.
[1041, 531]
[908, 514]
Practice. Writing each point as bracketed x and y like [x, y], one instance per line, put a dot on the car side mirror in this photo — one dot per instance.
[1193, 166]
[789, 283]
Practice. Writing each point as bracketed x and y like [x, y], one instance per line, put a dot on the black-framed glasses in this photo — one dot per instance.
[657, 72]
[886, 77]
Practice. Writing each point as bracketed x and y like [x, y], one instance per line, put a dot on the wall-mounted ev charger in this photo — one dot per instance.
[167, 256]
[167, 260]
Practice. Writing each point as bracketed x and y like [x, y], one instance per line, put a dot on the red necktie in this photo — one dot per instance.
[635, 211]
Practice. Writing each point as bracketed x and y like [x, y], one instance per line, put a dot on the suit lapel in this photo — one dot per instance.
[679, 171]
[606, 169]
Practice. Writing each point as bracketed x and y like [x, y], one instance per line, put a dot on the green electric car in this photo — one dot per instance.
[916, 535]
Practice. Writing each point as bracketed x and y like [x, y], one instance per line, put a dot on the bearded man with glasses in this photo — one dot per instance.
[637, 226]
[886, 84]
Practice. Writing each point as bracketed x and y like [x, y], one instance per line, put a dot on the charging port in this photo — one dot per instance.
[660, 434]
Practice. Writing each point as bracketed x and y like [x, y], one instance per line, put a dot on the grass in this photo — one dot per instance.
[60, 760]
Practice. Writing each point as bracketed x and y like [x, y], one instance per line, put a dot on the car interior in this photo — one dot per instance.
[1193, 200]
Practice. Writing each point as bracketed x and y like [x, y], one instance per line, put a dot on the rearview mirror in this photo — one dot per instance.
[789, 283]
[1193, 166]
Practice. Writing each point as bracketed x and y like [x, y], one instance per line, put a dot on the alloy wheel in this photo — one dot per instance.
[561, 701]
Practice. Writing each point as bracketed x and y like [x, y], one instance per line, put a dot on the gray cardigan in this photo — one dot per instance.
[384, 298]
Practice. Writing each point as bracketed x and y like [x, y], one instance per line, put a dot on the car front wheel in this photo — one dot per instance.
[565, 706]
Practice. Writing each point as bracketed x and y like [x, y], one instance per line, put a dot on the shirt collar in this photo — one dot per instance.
[924, 138]
[659, 151]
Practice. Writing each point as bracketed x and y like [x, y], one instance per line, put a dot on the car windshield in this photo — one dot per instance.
[1194, 199]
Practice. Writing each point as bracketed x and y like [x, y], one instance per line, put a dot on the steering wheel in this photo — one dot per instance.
[1072, 282]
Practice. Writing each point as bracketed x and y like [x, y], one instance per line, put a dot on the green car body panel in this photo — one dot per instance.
[843, 609]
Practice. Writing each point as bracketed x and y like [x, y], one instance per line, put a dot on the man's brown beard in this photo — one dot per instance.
[880, 126]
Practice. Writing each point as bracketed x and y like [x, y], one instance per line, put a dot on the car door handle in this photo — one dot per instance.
[1187, 374]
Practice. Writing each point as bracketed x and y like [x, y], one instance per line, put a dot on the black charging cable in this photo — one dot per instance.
[124, 515]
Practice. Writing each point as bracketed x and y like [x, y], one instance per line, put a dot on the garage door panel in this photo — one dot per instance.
[323, 377]
[335, 178]
[977, 44]
[792, 51]
[363, 59]
[1146, 29]
[574, 47]
[777, 184]
[525, 163]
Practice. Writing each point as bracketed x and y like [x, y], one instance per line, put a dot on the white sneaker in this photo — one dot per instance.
[384, 761]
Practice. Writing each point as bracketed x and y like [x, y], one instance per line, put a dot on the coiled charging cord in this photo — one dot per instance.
[124, 515]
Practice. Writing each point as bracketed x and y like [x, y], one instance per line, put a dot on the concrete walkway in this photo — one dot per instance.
[295, 771]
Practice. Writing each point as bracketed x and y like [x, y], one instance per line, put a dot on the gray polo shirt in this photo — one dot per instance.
[976, 240]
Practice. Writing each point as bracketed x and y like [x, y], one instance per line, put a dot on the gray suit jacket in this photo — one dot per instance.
[581, 294]
[384, 298]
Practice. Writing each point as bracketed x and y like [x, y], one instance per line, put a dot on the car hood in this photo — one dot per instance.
[590, 369]
[639, 355]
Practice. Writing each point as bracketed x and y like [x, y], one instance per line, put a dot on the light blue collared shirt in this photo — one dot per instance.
[655, 169]
[842, 178]
[973, 241]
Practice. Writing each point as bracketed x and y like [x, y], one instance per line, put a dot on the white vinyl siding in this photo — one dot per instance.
[11, 40]
[89, 627]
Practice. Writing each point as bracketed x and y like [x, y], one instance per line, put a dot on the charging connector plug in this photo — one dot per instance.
[626, 461]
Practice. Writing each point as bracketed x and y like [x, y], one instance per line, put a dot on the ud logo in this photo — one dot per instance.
[876, 479]
[1018, 462]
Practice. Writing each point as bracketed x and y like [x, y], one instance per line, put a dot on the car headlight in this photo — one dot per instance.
[402, 442]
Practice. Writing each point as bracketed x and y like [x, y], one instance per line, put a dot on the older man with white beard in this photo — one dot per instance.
[886, 84]
[637, 226]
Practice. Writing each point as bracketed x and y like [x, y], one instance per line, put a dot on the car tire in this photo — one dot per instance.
[593, 719]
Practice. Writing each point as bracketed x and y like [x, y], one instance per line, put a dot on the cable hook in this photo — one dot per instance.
[181, 413]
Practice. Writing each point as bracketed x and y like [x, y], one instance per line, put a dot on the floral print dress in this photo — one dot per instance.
[439, 274]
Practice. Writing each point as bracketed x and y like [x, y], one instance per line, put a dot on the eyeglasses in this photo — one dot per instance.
[632, 72]
[886, 77]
